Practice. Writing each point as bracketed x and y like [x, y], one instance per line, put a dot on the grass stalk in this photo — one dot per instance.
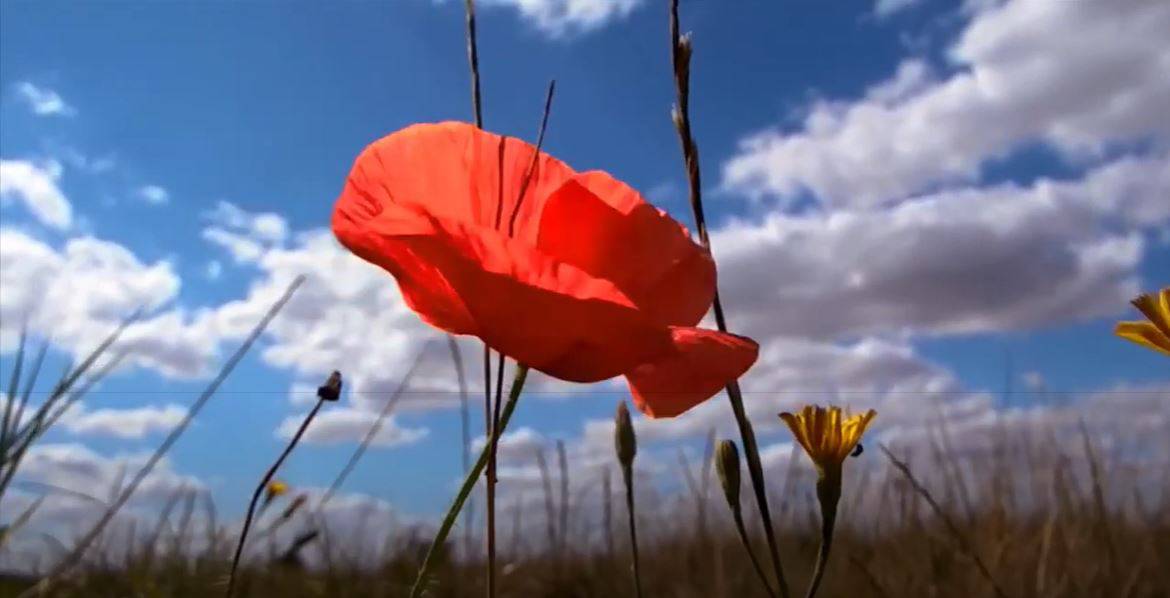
[681, 49]
[74, 557]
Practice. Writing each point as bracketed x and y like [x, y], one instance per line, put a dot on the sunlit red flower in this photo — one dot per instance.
[591, 282]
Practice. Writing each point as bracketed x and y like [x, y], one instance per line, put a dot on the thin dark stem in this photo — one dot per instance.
[628, 478]
[552, 87]
[473, 63]
[493, 445]
[74, 557]
[231, 585]
[680, 58]
[737, 515]
[448, 522]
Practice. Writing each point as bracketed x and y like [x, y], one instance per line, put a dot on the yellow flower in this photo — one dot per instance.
[1155, 333]
[274, 489]
[827, 435]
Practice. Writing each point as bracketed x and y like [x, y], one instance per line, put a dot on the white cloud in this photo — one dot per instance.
[985, 259]
[36, 187]
[1075, 75]
[154, 195]
[43, 101]
[558, 18]
[888, 7]
[263, 226]
[77, 467]
[135, 422]
[335, 425]
[77, 296]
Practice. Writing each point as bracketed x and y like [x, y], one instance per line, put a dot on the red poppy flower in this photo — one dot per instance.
[591, 282]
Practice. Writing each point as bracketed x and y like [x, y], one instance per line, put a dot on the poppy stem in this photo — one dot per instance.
[231, 585]
[420, 582]
[681, 50]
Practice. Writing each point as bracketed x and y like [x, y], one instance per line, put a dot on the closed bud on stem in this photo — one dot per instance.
[727, 466]
[331, 391]
[623, 436]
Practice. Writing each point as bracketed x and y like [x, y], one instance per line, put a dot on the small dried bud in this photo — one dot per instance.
[623, 436]
[676, 116]
[727, 466]
[332, 389]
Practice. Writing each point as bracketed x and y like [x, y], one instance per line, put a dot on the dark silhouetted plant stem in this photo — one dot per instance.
[680, 58]
[628, 478]
[737, 516]
[473, 63]
[448, 522]
[268, 475]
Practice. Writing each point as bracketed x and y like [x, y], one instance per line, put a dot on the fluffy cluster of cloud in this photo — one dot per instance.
[1077, 76]
[35, 186]
[558, 18]
[974, 259]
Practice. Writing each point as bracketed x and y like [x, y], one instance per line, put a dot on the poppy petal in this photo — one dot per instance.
[452, 169]
[604, 227]
[469, 279]
[703, 363]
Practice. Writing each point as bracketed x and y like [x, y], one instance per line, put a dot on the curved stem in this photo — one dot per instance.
[448, 522]
[737, 515]
[231, 585]
[681, 50]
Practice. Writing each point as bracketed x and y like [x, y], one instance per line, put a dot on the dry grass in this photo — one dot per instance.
[1043, 526]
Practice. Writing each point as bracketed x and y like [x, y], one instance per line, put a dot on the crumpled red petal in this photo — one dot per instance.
[703, 363]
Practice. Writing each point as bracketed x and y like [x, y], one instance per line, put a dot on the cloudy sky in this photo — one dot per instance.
[923, 207]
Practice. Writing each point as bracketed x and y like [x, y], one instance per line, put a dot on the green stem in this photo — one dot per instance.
[737, 515]
[628, 477]
[828, 494]
[428, 563]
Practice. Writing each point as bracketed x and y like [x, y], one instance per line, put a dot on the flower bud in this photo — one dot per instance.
[623, 436]
[727, 466]
[331, 391]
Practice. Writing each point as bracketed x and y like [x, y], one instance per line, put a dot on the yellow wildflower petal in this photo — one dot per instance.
[1145, 334]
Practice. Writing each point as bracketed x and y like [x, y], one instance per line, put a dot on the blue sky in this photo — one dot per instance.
[995, 220]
